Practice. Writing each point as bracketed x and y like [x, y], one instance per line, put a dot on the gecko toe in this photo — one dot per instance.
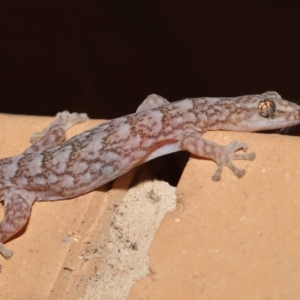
[7, 254]
[247, 156]
[234, 146]
[250, 156]
[217, 175]
[239, 173]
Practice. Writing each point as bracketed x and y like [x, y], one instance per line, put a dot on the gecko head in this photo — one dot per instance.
[262, 112]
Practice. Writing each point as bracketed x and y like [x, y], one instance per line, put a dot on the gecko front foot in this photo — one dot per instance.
[227, 155]
[222, 155]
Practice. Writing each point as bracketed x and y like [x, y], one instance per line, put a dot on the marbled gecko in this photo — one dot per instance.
[52, 168]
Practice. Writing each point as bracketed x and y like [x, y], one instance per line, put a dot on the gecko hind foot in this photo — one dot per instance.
[64, 120]
[55, 133]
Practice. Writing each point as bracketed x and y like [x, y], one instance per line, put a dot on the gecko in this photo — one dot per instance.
[54, 168]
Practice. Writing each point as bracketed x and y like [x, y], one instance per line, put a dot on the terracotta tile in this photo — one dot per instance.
[234, 239]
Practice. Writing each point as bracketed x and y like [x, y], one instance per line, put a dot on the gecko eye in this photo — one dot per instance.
[267, 109]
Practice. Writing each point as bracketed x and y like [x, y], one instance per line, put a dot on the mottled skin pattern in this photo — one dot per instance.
[52, 168]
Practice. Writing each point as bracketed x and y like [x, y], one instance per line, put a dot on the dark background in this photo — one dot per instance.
[105, 57]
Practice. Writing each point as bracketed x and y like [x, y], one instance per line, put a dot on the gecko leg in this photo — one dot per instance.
[55, 133]
[152, 101]
[222, 155]
[17, 210]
